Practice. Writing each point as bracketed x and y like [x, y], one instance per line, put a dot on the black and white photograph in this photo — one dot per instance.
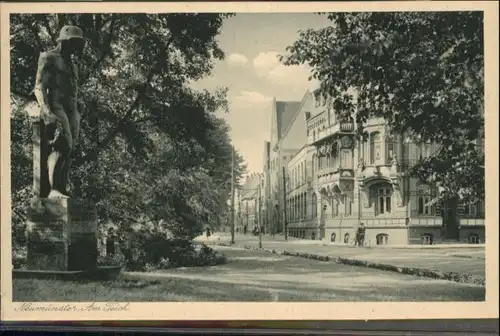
[235, 156]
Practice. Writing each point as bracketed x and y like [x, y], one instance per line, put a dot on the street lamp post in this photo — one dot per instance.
[260, 221]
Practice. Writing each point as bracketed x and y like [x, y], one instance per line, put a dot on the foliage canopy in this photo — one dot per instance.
[423, 72]
[152, 149]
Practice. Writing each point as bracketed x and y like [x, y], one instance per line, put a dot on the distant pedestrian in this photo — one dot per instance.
[208, 232]
[245, 230]
[360, 235]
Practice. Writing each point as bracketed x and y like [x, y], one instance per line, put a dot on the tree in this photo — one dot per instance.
[423, 72]
[149, 141]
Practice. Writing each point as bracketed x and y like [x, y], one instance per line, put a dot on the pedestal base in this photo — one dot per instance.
[102, 273]
[62, 235]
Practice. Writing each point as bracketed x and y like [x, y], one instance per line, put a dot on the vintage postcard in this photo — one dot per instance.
[267, 160]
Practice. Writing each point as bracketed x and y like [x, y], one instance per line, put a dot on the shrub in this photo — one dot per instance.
[154, 250]
[118, 259]
[19, 258]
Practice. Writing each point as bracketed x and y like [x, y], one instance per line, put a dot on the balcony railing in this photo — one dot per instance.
[347, 126]
[324, 133]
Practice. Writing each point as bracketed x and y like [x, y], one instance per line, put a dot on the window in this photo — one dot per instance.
[303, 172]
[374, 147]
[428, 149]
[423, 208]
[384, 200]
[389, 149]
[313, 164]
[427, 239]
[299, 207]
[382, 239]
[474, 239]
[348, 206]
[333, 237]
[426, 195]
[305, 205]
[469, 209]
[314, 206]
[346, 159]
[480, 209]
[346, 238]
[313, 236]
[335, 208]
[314, 135]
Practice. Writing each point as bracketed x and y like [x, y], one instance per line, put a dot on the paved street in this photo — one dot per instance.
[453, 259]
[254, 276]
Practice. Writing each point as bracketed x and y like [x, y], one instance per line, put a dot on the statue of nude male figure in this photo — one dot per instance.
[56, 91]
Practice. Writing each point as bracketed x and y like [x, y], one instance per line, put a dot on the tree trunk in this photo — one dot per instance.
[451, 221]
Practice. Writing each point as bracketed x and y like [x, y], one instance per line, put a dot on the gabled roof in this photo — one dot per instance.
[295, 114]
[285, 111]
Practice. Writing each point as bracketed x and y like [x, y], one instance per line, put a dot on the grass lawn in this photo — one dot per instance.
[253, 276]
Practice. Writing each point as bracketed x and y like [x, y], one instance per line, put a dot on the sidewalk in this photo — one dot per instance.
[452, 259]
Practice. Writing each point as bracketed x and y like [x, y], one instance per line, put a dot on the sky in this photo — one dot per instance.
[252, 72]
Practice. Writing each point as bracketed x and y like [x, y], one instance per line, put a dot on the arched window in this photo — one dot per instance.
[333, 237]
[474, 239]
[427, 239]
[346, 238]
[375, 147]
[382, 239]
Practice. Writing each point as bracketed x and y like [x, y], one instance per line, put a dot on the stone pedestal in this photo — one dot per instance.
[62, 235]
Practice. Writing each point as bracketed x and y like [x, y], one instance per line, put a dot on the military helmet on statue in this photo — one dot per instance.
[69, 32]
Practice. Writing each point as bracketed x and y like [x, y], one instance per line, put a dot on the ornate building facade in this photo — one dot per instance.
[335, 182]
[365, 181]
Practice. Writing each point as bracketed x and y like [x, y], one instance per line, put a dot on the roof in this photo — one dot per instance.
[285, 111]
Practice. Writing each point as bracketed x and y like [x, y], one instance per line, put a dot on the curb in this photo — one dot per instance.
[421, 272]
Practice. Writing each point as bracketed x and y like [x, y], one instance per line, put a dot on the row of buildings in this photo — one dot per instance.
[319, 182]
